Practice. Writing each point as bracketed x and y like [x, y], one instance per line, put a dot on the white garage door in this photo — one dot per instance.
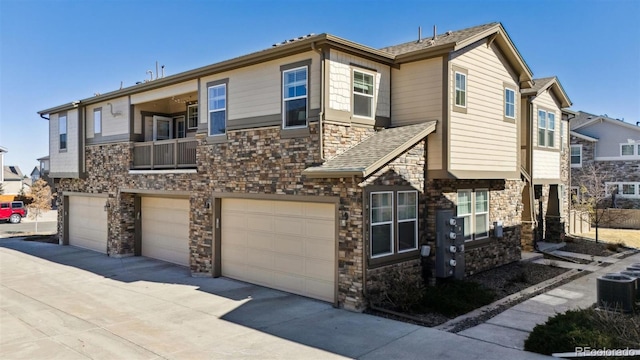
[88, 223]
[165, 229]
[284, 245]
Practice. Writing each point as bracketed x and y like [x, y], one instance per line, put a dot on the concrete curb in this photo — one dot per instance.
[451, 324]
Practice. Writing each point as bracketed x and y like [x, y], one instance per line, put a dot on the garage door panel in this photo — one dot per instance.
[285, 245]
[289, 245]
[290, 226]
[88, 223]
[320, 229]
[260, 240]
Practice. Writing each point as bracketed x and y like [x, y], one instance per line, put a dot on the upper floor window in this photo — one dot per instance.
[294, 97]
[217, 109]
[62, 131]
[97, 121]
[394, 222]
[628, 149]
[473, 207]
[546, 128]
[192, 116]
[576, 155]
[510, 103]
[362, 94]
[461, 89]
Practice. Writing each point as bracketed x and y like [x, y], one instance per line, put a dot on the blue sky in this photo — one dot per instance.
[56, 51]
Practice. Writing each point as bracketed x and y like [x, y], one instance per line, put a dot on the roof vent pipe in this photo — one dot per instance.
[162, 70]
[434, 32]
[419, 34]
[156, 70]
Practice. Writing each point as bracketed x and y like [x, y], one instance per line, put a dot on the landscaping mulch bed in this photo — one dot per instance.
[588, 247]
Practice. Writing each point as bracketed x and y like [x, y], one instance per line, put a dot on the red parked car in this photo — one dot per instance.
[12, 211]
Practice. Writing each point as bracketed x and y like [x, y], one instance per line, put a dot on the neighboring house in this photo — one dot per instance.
[3, 150]
[546, 167]
[35, 174]
[13, 180]
[312, 165]
[614, 147]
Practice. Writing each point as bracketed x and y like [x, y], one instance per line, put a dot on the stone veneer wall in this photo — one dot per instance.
[505, 204]
[619, 170]
[253, 161]
[406, 170]
[339, 138]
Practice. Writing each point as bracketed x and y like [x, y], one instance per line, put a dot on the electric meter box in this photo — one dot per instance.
[449, 245]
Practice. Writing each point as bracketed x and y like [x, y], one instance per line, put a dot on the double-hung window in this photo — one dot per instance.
[461, 89]
[473, 208]
[624, 189]
[546, 128]
[629, 149]
[217, 109]
[576, 155]
[363, 94]
[97, 121]
[294, 97]
[62, 131]
[394, 222]
[192, 116]
[509, 103]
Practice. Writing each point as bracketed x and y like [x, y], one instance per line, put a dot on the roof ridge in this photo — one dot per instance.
[446, 33]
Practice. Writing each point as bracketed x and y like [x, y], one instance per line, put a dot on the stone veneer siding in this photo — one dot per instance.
[505, 204]
[253, 161]
[619, 170]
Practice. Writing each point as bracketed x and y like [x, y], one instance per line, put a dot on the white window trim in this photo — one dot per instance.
[619, 185]
[473, 214]
[515, 111]
[97, 125]
[192, 106]
[455, 89]
[577, 189]
[415, 219]
[579, 146]
[390, 222]
[372, 96]
[634, 146]
[66, 132]
[547, 128]
[226, 95]
[285, 99]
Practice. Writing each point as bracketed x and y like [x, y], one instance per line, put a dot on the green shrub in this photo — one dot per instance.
[453, 298]
[580, 328]
[397, 289]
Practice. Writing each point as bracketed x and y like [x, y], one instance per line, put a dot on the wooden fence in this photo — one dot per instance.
[578, 222]
[622, 219]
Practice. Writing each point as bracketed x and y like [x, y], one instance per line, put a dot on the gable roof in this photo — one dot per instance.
[456, 40]
[35, 171]
[584, 119]
[373, 153]
[12, 173]
[548, 83]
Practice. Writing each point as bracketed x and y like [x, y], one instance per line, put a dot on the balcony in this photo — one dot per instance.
[165, 154]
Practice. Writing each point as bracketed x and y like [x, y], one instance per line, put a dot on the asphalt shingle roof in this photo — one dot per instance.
[441, 39]
[374, 152]
[12, 173]
[538, 84]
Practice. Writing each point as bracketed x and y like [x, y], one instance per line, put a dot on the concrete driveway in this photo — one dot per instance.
[68, 303]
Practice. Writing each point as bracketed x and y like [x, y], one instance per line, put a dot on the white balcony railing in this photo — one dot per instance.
[165, 154]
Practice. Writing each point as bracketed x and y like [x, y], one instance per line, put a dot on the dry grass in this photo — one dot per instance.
[630, 238]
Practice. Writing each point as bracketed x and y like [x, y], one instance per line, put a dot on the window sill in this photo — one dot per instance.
[297, 132]
[509, 120]
[393, 259]
[459, 109]
[217, 139]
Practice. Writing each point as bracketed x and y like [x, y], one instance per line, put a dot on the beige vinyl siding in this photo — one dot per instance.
[257, 90]
[64, 161]
[481, 140]
[341, 66]
[546, 164]
[111, 125]
[546, 102]
[417, 96]
[165, 92]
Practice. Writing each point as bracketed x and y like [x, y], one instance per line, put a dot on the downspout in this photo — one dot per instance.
[532, 211]
[321, 114]
[44, 117]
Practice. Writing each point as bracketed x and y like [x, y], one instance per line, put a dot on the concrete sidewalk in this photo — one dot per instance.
[68, 303]
[512, 327]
